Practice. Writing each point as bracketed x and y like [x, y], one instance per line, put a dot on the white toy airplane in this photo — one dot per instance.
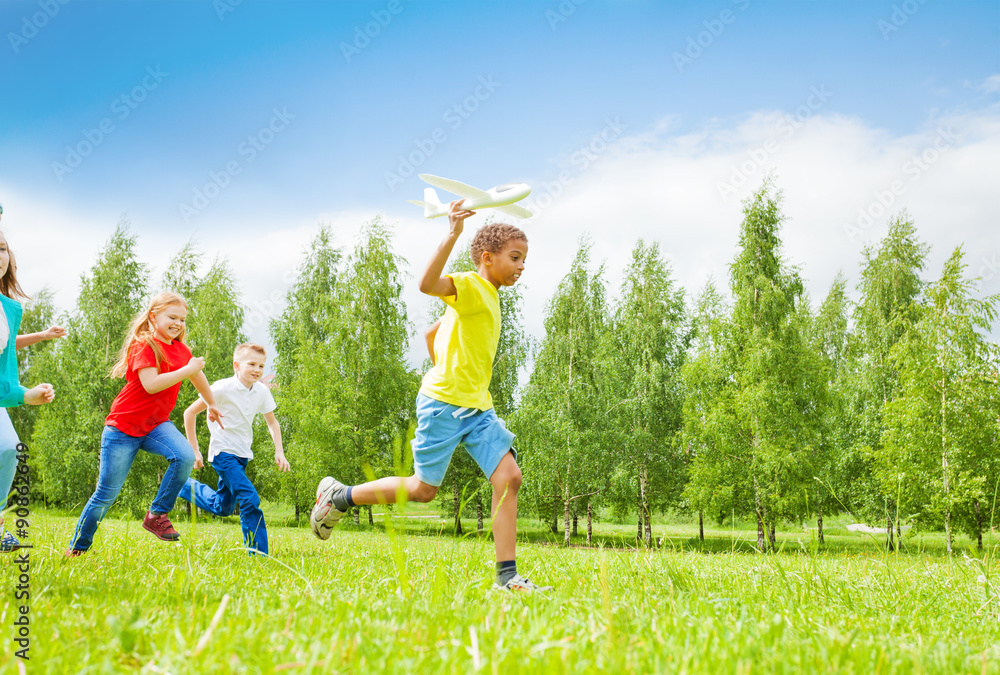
[501, 198]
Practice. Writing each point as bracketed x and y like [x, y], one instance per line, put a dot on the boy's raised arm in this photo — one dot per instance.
[432, 283]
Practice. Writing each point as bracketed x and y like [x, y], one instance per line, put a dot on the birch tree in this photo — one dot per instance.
[558, 419]
[648, 343]
[941, 427]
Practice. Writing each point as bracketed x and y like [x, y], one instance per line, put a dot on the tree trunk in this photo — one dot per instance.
[297, 511]
[638, 500]
[357, 516]
[479, 512]
[555, 517]
[979, 526]
[457, 498]
[759, 511]
[188, 508]
[574, 521]
[889, 543]
[770, 535]
[566, 518]
[761, 537]
[371, 517]
[899, 534]
[944, 464]
[701, 525]
[644, 484]
[819, 529]
[590, 523]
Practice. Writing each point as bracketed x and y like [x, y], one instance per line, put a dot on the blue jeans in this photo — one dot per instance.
[234, 488]
[8, 455]
[118, 451]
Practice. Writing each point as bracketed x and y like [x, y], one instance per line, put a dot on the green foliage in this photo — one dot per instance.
[642, 370]
[341, 363]
[942, 426]
[558, 421]
[760, 400]
[890, 290]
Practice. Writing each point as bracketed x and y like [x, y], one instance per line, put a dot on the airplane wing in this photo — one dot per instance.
[515, 211]
[453, 186]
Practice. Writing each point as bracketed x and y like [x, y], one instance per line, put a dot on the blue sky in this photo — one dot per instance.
[213, 75]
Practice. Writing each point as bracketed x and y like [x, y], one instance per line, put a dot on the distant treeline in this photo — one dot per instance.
[751, 403]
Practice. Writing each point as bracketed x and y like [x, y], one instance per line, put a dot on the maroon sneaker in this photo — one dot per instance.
[73, 553]
[161, 527]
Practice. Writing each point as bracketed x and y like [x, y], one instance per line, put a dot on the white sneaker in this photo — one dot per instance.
[519, 583]
[324, 516]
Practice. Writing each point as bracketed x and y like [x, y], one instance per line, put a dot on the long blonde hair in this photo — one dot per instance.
[141, 330]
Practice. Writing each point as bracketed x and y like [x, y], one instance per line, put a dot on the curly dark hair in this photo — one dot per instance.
[493, 238]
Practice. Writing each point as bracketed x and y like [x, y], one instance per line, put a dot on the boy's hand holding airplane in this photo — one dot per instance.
[457, 216]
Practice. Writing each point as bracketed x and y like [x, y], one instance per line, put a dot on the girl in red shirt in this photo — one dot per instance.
[154, 361]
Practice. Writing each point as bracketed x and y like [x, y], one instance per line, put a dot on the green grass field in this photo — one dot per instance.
[417, 599]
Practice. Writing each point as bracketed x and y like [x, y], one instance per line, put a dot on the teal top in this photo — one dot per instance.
[11, 391]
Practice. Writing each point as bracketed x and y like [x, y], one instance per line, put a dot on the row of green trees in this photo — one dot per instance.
[750, 403]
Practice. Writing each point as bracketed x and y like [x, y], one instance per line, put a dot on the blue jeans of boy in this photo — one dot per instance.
[118, 451]
[234, 488]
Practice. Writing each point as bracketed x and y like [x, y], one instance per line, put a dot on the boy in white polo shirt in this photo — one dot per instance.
[240, 398]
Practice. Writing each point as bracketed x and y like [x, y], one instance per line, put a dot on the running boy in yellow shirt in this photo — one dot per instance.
[454, 404]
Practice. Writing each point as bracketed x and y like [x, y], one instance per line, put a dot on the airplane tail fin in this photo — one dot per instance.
[432, 205]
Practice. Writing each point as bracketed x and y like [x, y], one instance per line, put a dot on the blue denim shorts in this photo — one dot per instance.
[440, 429]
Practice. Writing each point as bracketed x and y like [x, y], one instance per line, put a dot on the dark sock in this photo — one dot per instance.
[342, 499]
[506, 570]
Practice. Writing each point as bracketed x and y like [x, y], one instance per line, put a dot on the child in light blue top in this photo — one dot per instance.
[12, 394]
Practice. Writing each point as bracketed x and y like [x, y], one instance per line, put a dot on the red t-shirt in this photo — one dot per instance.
[135, 411]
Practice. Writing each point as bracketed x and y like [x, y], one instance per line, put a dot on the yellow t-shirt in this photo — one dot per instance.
[465, 345]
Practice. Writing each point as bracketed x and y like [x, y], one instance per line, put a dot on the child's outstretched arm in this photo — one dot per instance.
[191, 431]
[279, 451]
[429, 336]
[432, 283]
[154, 381]
[200, 383]
[51, 333]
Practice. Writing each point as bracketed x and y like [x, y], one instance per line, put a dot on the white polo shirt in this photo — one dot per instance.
[239, 406]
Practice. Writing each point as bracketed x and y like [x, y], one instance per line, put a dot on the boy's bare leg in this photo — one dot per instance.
[506, 481]
[387, 491]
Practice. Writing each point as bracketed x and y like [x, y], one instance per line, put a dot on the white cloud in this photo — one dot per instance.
[991, 84]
